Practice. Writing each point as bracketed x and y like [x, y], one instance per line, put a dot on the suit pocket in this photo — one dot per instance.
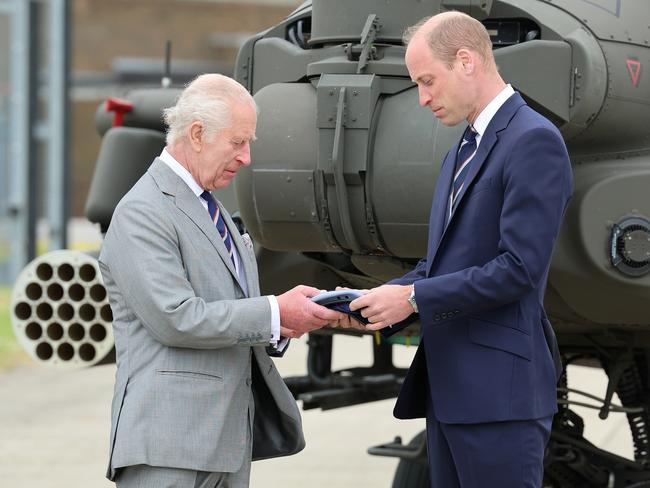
[479, 186]
[501, 337]
[198, 375]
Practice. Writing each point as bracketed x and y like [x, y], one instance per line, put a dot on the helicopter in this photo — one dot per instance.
[341, 142]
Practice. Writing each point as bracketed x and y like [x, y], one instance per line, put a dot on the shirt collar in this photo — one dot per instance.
[486, 115]
[181, 171]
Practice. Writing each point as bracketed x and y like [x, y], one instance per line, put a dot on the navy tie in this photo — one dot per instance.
[463, 163]
[218, 221]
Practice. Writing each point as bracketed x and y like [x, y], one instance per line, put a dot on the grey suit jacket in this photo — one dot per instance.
[185, 335]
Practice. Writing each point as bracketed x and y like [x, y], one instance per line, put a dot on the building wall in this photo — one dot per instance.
[103, 31]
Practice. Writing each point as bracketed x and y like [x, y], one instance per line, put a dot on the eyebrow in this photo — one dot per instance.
[244, 138]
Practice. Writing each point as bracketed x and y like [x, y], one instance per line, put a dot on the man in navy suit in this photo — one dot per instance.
[484, 375]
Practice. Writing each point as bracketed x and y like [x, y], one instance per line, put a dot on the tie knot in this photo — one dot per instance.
[470, 134]
[207, 196]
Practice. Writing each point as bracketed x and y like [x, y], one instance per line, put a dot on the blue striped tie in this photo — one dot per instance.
[463, 163]
[218, 221]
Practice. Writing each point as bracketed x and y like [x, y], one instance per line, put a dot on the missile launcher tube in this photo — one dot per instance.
[60, 312]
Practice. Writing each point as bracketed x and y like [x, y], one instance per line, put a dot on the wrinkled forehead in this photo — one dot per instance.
[243, 120]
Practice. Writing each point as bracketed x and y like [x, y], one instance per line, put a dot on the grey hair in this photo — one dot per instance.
[208, 99]
[452, 33]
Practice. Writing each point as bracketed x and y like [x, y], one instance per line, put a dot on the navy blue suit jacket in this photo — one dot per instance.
[480, 288]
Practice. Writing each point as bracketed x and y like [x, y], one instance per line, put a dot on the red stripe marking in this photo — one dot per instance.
[634, 69]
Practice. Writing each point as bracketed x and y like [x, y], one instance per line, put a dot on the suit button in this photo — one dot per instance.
[456, 312]
[443, 315]
[249, 381]
[436, 317]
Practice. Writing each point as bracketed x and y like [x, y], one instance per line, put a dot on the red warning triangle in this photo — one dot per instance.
[634, 68]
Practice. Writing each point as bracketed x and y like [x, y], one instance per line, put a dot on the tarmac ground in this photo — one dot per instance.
[54, 427]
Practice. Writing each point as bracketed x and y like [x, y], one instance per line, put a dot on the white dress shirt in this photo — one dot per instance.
[486, 115]
[187, 177]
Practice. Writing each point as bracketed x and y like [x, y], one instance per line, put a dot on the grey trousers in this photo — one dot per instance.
[143, 476]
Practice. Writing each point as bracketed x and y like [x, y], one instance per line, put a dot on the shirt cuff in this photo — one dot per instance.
[275, 320]
[282, 344]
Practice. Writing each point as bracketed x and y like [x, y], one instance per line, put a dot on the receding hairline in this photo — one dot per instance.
[425, 25]
[437, 26]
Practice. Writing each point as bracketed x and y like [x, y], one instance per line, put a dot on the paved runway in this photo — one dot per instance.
[54, 428]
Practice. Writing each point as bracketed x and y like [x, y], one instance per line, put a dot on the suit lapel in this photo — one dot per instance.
[499, 122]
[188, 203]
[244, 256]
[438, 217]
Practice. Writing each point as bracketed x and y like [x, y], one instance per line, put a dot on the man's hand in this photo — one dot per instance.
[298, 314]
[347, 322]
[384, 306]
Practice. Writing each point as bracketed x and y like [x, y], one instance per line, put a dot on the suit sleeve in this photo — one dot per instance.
[141, 255]
[537, 187]
[417, 273]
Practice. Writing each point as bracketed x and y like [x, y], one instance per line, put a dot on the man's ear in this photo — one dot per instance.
[466, 60]
[195, 135]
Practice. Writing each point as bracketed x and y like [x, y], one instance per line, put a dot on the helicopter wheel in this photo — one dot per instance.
[412, 474]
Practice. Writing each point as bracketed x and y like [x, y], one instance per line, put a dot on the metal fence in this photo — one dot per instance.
[5, 176]
[33, 129]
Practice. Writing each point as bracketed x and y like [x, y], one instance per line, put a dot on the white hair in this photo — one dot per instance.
[207, 99]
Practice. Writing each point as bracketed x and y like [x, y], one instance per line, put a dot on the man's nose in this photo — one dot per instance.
[424, 97]
[244, 156]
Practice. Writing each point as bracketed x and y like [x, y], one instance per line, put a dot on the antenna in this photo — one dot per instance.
[167, 76]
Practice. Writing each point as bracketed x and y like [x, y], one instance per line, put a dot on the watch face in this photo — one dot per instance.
[412, 300]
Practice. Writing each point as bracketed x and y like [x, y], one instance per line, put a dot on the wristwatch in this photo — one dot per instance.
[412, 299]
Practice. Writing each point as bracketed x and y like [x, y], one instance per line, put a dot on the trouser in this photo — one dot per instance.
[489, 455]
[143, 476]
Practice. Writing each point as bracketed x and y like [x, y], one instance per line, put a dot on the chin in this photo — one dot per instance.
[448, 122]
[452, 122]
[221, 184]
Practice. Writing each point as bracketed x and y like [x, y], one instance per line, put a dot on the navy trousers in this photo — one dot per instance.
[490, 455]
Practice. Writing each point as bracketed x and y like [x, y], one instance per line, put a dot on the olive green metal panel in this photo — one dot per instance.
[618, 20]
[582, 273]
[389, 62]
[362, 94]
[124, 156]
[345, 110]
[285, 195]
[409, 146]
[589, 81]
[148, 105]
[343, 20]
[621, 127]
[279, 193]
[479, 9]
[277, 61]
[540, 70]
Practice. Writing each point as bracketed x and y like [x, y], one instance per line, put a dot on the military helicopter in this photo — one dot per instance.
[344, 168]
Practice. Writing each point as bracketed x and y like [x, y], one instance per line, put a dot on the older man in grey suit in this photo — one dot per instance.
[190, 327]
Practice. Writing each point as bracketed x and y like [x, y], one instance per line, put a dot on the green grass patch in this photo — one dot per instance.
[10, 352]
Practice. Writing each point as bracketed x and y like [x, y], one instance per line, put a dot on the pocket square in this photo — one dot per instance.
[248, 242]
